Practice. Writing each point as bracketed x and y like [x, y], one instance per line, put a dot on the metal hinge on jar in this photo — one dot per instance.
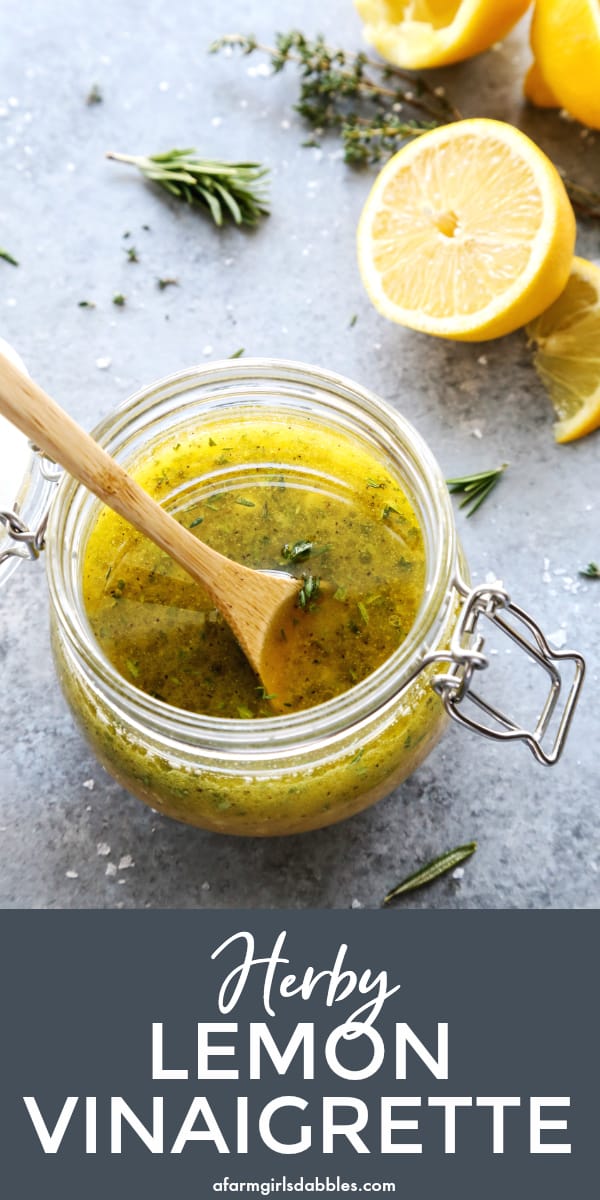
[27, 542]
[465, 656]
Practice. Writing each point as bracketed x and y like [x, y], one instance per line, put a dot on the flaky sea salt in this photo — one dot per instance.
[103, 849]
[125, 862]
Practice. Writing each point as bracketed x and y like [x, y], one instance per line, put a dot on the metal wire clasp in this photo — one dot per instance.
[465, 656]
[26, 542]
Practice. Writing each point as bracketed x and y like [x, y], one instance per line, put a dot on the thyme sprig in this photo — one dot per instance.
[227, 190]
[432, 870]
[592, 571]
[584, 200]
[370, 103]
[476, 488]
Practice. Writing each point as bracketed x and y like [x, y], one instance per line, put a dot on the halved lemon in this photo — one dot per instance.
[468, 232]
[429, 33]
[567, 358]
[565, 39]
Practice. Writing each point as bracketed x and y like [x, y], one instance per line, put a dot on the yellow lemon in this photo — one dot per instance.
[567, 358]
[565, 39]
[536, 89]
[429, 33]
[467, 233]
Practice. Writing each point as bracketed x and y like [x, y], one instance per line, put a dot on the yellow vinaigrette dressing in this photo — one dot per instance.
[272, 494]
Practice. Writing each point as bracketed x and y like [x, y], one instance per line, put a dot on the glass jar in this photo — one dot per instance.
[296, 772]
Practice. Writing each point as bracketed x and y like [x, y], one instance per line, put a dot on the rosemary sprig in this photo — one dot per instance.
[232, 190]
[476, 487]
[592, 571]
[370, 103]
[8, 258]
[432, 870]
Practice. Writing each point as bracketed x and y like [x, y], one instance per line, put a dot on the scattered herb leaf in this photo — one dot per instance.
[132, 254]
[233, 190]
[297, 551]
[246, 503]
[309, 591]
[432, 870]
[86, 304]
[264, 694]
[592, 571]
[118, 299]
[133, 668]
[372, 483]
[476, 488]
[244, 712]
[196, 521]
[167, 282]
[363, 612]
[352, 321]
[237, 353]
[8, 258]
[94, 95]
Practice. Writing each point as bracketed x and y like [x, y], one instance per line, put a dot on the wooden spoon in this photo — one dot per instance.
[254, 603]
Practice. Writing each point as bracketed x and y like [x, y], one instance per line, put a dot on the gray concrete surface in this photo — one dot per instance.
[289, 289]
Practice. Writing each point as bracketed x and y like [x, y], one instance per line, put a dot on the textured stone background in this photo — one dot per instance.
[289, 289]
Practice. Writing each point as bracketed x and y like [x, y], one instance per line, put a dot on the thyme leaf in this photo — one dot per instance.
[8, 257]
[432, 870]
[227, 190]
[475, 488]
[592, 571]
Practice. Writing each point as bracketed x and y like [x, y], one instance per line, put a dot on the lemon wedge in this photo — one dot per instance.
[565, 39]
[567, 358]
[430, 33]
[468, 232]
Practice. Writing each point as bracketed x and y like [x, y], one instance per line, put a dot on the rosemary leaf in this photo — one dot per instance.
[592, 571]
[233, 191]
[475, 488]
[432, 870]
[8, 258]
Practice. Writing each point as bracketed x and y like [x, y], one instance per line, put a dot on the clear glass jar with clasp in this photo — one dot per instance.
[298, 771]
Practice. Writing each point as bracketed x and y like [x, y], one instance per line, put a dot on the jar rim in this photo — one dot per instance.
[230, 379]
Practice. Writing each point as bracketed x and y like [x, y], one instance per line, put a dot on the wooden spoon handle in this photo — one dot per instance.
[47, 425]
